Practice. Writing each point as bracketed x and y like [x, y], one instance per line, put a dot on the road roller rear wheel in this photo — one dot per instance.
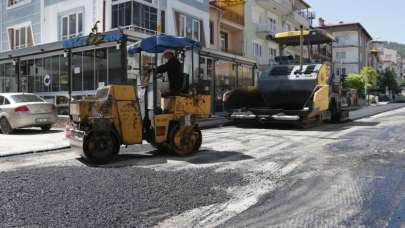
[184, 140]
[100, 146]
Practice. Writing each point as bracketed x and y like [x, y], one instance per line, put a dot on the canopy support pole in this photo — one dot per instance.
[301, 46]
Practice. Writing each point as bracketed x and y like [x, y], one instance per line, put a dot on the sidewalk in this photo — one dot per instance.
[26, 141]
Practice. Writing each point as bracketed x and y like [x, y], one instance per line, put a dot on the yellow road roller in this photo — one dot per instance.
[117, 116]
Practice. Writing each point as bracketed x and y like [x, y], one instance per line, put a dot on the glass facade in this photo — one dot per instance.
[224, 76]
[93, 67]
[90, 70]
[135, 14]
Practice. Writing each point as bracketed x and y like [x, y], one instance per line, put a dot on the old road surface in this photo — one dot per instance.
[345, 175]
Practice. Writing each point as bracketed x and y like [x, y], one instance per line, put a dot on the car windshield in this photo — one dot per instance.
[22, 98]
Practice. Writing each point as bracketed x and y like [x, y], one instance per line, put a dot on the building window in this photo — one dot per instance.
[340, 56]
[257, 50]
[196, 30]
[15, 3]
[137, 16]
[272, 53]
[212, 31]
[20, 37]
[71, 26]
[224, 41]
[182, 26]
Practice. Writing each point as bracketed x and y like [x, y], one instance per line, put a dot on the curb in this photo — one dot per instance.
[35, 151]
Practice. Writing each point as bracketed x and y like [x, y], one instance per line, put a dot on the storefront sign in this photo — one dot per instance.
[47, 80]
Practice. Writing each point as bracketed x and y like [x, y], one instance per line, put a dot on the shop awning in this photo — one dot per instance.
[160, 43]
[314, 36]
[84, 40]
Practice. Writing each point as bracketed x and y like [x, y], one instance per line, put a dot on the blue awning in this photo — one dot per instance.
[84, 40]
[160, 43]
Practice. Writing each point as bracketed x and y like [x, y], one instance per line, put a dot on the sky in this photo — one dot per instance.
[383, 19]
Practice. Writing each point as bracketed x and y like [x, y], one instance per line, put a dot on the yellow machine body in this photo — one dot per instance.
[115, 110]
[321, 96]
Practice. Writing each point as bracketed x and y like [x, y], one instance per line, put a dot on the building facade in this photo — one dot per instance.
[352, 47]
[20, 24]
[24, 67]
[269, 17]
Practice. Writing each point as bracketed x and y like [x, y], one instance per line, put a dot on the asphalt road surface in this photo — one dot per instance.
[347, 175]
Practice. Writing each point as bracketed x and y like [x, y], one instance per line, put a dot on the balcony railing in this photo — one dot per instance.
[308, 16]
[234, 17]
[266, 28]
[234, 52]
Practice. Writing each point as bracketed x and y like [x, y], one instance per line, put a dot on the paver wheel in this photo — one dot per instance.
[100, 146]
[184, 140]
[5, 126]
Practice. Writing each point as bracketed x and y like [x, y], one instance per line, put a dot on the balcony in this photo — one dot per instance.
[279, 6]
[304, 17]
[265, 29]
[234, 17]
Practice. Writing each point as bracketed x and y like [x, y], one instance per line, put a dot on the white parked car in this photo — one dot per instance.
[20, 110]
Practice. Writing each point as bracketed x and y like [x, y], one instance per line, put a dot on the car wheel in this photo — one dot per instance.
[46, 127]
[5, 126]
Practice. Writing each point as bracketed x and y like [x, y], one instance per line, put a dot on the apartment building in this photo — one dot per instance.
[391, 58]
[225, 60]
[352, 47]
[267, 17]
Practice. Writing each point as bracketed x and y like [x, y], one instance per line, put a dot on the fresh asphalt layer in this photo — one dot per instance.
[345, 175]
[28, 141]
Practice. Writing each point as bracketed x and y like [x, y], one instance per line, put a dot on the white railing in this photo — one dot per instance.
[267, 28]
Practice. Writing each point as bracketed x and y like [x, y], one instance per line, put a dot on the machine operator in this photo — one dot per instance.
[173, 69]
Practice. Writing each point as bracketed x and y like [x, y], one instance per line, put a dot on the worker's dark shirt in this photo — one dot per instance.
[174, 72]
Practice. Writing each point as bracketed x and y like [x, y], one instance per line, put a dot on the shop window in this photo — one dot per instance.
[88, 70]
[101, 67]
[1, 78]
[71, 26]
[39, 75]
[64, 74]
[10, 79]
[114, 66]
[77, 71]
[20, 37]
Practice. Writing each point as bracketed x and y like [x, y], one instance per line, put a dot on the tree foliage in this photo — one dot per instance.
[354, 81]
[389, 80]
[368, 76]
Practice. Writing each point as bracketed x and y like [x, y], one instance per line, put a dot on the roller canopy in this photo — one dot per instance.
[160, 43]
[314, 36]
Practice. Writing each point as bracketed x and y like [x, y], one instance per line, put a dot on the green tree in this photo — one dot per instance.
[371, 77]
[389, 80]
[355, 81]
